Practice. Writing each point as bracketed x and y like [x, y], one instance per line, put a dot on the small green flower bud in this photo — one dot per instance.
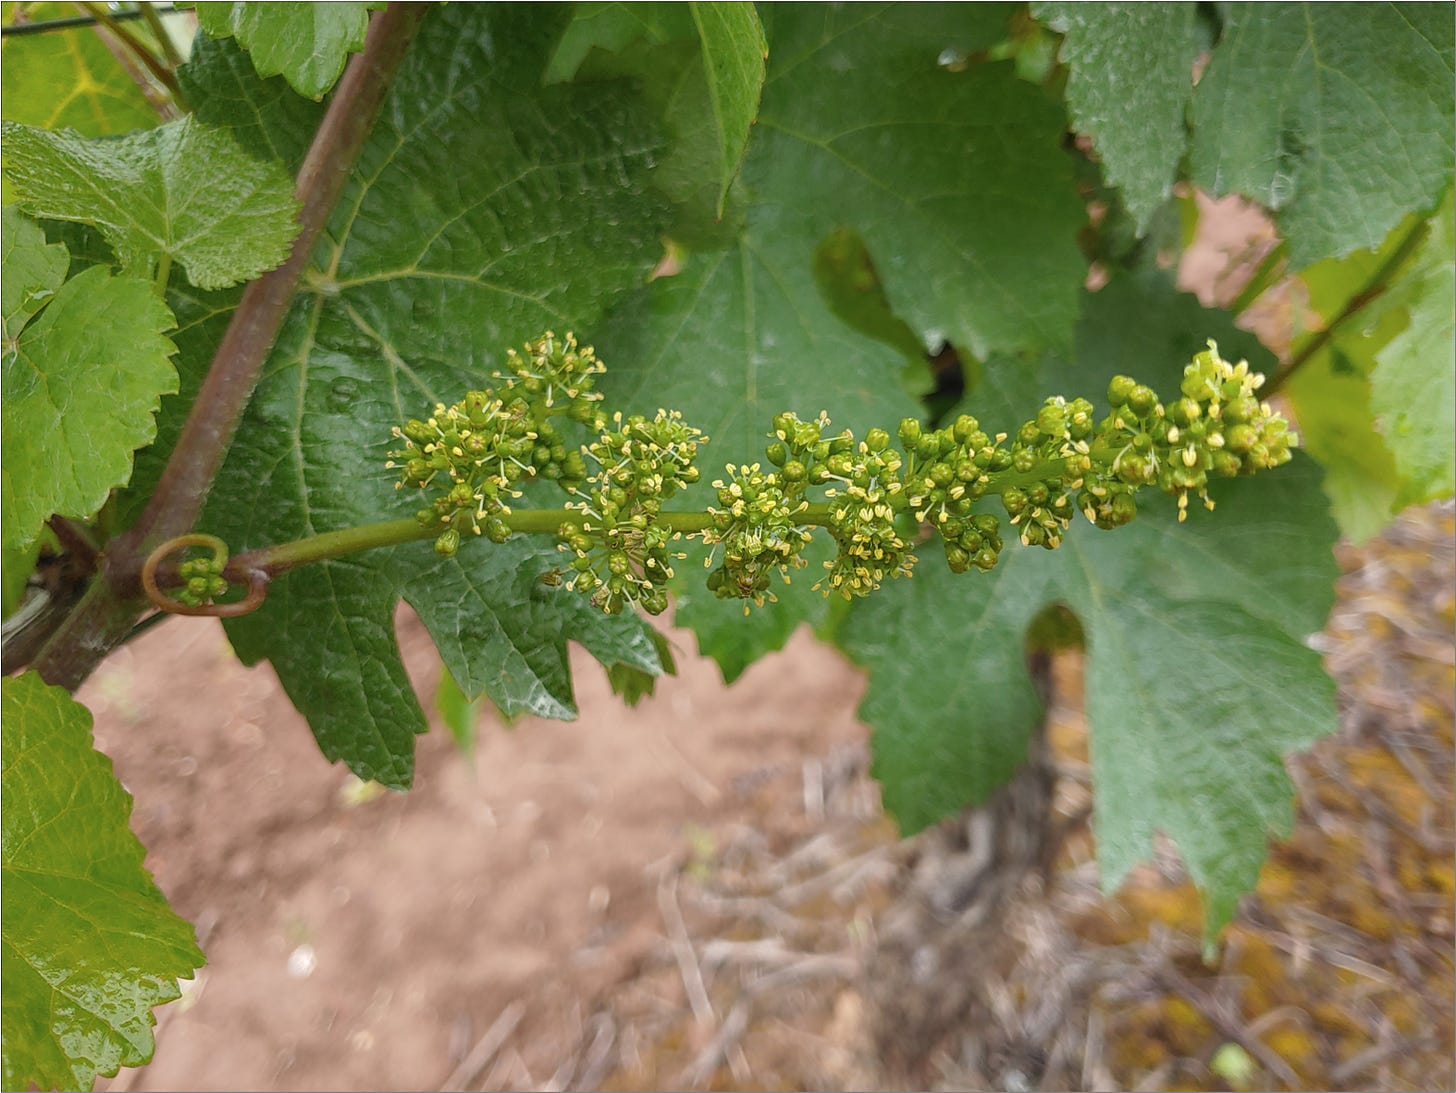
[448, 543]
[876, 440]
[1227, 464]
[909, 432]
[497, 530]
[1141, 400]
[1241, 410]
[1051, 420]
[1120, 390]
[777, 453]
[1124, 508]
[1240, 438]
[1184, 412]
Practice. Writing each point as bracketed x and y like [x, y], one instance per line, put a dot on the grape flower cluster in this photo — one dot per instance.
[477, 451]
[621, 545]
[202, 581]
[876, 500]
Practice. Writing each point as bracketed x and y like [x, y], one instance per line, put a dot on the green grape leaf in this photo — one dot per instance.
[425, 276]
[860, 128]
[68, 79]
[955, 180]
[183, 192]
[460, 714]
[90, 944]
[733, 64]
[1371, 397]
[631, 683]
[1199, 677]
[64, 448]
[500, 628]
[305, 43]
[1413, 390]
[1339, 117]
[709, 342]
[1137, 125]
[734, 639]
[1331, 399]
[613, 27]
[701, 63]
[852, 287]
[34, 269]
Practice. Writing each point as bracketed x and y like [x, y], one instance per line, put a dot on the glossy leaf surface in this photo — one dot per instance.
[65, 448]
[184, 192]
[90, 944]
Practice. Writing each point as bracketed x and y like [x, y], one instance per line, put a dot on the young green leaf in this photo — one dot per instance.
[64, 447]
[1339, 117]
[33, 269]
[1138, 126]
[460, 713]
[702, 63]
[733, 64]
[306, 44]
[1331, 397]
[1413, 391]
[184, 192]
[1377, 385]
[90, 943]
[68, 79]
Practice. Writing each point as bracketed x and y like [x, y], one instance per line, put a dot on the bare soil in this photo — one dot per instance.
[361, 940]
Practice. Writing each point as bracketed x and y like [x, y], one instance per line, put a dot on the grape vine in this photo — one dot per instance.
[878, 502]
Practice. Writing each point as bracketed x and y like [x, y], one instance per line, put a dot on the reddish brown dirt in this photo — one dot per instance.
[524, 876]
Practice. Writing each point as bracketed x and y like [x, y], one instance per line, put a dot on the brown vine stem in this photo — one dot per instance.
[113, 603]
[1370, 291]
